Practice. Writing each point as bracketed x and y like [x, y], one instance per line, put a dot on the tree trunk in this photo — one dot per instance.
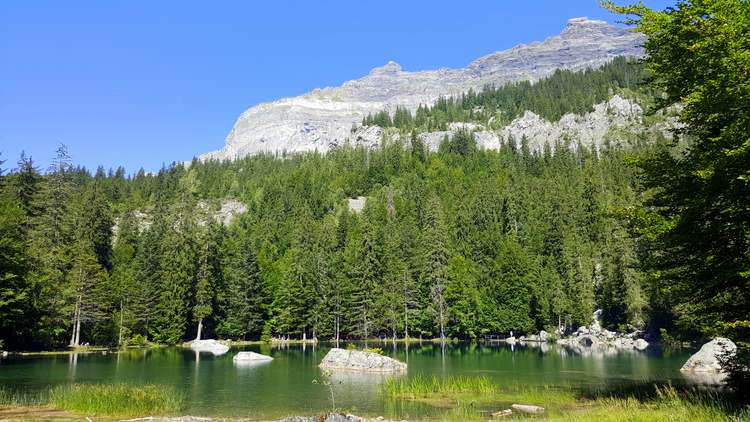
[338, 319]
[73, 331]
[442, 326]
[119, 336]
[200, 329]
[78, 330]
[74, 338]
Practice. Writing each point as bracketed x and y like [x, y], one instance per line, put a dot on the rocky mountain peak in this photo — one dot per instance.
[323, 118]
[389, 68]
[585, 27]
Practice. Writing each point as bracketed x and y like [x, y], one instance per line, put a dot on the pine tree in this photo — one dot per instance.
[51, 243]
[435, 263]
[176, 277]
[15, 312]
[206, 278]
[245, 305]
[87, 279]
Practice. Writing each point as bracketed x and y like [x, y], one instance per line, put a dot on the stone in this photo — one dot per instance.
[331, 417]
[324, 118]
[250, 357]
[502, 413]
[355, 360]
[543, 336]
[527, 408]
[211, 346]
[356, 205]
[707, 358]
[168, 419]
[510, 340]
[640, 344]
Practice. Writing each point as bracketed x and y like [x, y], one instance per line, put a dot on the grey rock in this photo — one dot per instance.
[355, 360]
[707, 358]
[527, 408]
[640, 344]
[250, 357]
[357, 204]
[210, 346]
[331, 417]
[324, 118]
[169, 419]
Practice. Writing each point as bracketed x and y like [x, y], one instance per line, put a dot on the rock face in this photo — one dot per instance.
[211, 346]
[242, 357]
[707, 358]
[360, 361]
[324, 118]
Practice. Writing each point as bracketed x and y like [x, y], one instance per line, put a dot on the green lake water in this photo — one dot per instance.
[215, 386]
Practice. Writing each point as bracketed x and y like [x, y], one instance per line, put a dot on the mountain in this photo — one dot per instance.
[324, 118]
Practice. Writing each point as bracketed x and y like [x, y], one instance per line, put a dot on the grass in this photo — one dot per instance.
[117, 400]
[16, 398]
[420, 387]
[473, 398]
[668, 404]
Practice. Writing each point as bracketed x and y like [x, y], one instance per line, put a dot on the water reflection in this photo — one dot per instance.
[215, 385]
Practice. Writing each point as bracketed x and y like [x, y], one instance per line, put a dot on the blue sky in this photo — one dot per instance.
[141, 83]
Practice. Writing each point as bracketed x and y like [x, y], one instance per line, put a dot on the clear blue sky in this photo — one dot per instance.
[141, 83]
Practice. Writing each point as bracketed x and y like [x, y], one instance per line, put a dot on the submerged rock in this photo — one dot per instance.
[242, 357]
[212, 346]
[360, 361]
[707, 358]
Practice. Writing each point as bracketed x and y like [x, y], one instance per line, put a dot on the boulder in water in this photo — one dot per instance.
[640, 344]
[243, 357]
[360, 361]
[212, 346]
[707, 358]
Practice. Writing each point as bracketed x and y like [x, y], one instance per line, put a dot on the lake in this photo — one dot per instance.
[215, 386]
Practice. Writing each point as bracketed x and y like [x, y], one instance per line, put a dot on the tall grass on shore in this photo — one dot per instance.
[481, 389]
[116, 399]
[423, 387]
[15, 398]
[668, 404]
[473, 398]
[101, 399]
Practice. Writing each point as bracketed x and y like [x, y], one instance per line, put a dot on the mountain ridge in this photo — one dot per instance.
[324, 117]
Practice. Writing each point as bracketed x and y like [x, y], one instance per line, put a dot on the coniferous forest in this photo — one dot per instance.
[459, 243]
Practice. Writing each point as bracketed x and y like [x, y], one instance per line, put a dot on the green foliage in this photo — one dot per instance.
[697, 230]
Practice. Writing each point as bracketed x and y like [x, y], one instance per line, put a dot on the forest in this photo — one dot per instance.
[454, 244]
